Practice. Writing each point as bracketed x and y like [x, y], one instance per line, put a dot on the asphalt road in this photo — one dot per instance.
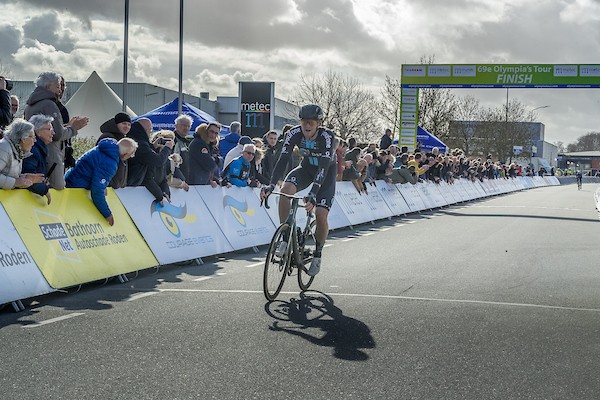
[495, 299]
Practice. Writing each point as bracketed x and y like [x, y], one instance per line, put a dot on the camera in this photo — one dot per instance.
[162, 141]
[9, 83]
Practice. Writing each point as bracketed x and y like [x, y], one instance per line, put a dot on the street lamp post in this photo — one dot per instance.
[531, 149]
[537, 108]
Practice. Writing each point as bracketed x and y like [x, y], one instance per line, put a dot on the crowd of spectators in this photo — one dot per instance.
[34, 153]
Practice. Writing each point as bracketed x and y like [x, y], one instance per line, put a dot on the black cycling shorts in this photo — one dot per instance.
[301, 177]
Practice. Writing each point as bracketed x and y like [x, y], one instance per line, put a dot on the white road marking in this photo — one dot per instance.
[387, 229]
[328, 245]
[255, 264]
[347, 240]
[140, 296]
[368, 234]
[411, 222]
[383, 296]
[202, 278]
[52, 320]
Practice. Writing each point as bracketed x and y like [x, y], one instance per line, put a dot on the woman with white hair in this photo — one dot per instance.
[14, 147]
[44, 100]
[36, 162]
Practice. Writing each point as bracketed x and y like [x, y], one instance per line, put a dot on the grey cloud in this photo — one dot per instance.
[10, 37]
[231, 23]
[47, 28]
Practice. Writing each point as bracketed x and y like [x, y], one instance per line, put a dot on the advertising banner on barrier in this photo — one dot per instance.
[353, 203]
[447, 192]
[181, 230]
[411, 196]
[20, 278]
[462, 189]
[392, 197]
[336, 218]
[70, 241]
[377, 205]
[238, 213]
[431, 190]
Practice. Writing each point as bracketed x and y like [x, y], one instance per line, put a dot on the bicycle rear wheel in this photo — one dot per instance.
[276, 268]
[310, 245]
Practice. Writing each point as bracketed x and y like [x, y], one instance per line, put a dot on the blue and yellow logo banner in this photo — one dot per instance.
[69, 239]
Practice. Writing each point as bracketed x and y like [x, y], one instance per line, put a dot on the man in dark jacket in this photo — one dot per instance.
[117, 128]
[204, 155]
[5, 111]
[386, 140]
[94, 170]
[270, 158]
[44, 100]
[149, 160]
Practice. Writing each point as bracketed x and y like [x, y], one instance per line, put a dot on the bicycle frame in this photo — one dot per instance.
[297, 253]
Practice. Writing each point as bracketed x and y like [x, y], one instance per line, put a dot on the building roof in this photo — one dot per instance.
[581, 154]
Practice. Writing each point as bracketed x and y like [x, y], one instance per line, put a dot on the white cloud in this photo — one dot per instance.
[581, 12]
[228, 40]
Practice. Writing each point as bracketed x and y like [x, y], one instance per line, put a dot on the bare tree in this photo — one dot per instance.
[350, 109]
[588, 142]
[389, 105]
[561, 146]
[467, 110]
[436, 107]
[508, 126]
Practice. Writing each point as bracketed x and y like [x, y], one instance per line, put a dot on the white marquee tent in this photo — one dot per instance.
[96, 100]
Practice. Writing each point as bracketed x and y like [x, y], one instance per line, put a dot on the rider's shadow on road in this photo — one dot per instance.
[345, 334]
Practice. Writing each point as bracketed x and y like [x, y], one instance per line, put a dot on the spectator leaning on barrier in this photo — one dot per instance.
[145, 168]
[231, 140]
[204, 156]
[270, 154]
[94, 170]
[14, 147]
[117, 128]
[237, 173]
[169, 175]
[183, 138]
[44, 100]
[36, 162]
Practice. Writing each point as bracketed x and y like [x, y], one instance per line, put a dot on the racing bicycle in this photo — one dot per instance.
[283, 260]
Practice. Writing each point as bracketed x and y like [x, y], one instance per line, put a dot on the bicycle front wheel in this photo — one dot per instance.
[310, 245]
[276, 265]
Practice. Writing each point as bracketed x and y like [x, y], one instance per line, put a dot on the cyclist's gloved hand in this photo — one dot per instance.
[311, 198]
[264, 194]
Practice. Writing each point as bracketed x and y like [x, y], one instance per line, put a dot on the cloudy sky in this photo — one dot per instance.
[281, 40]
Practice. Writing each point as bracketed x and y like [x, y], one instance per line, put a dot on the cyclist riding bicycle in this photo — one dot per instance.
[318, 168]
[579, 178]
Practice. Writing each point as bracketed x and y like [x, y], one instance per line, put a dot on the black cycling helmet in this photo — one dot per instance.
[311, 111]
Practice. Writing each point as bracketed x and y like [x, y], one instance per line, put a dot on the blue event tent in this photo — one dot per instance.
[164, 116]
[428, 141]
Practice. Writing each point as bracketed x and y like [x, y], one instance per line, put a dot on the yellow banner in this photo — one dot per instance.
[69, 239]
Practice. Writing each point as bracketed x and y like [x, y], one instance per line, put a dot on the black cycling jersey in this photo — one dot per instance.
[319, 155]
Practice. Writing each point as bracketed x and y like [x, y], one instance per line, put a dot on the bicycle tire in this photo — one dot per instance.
[310, 243]
[276, 269]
